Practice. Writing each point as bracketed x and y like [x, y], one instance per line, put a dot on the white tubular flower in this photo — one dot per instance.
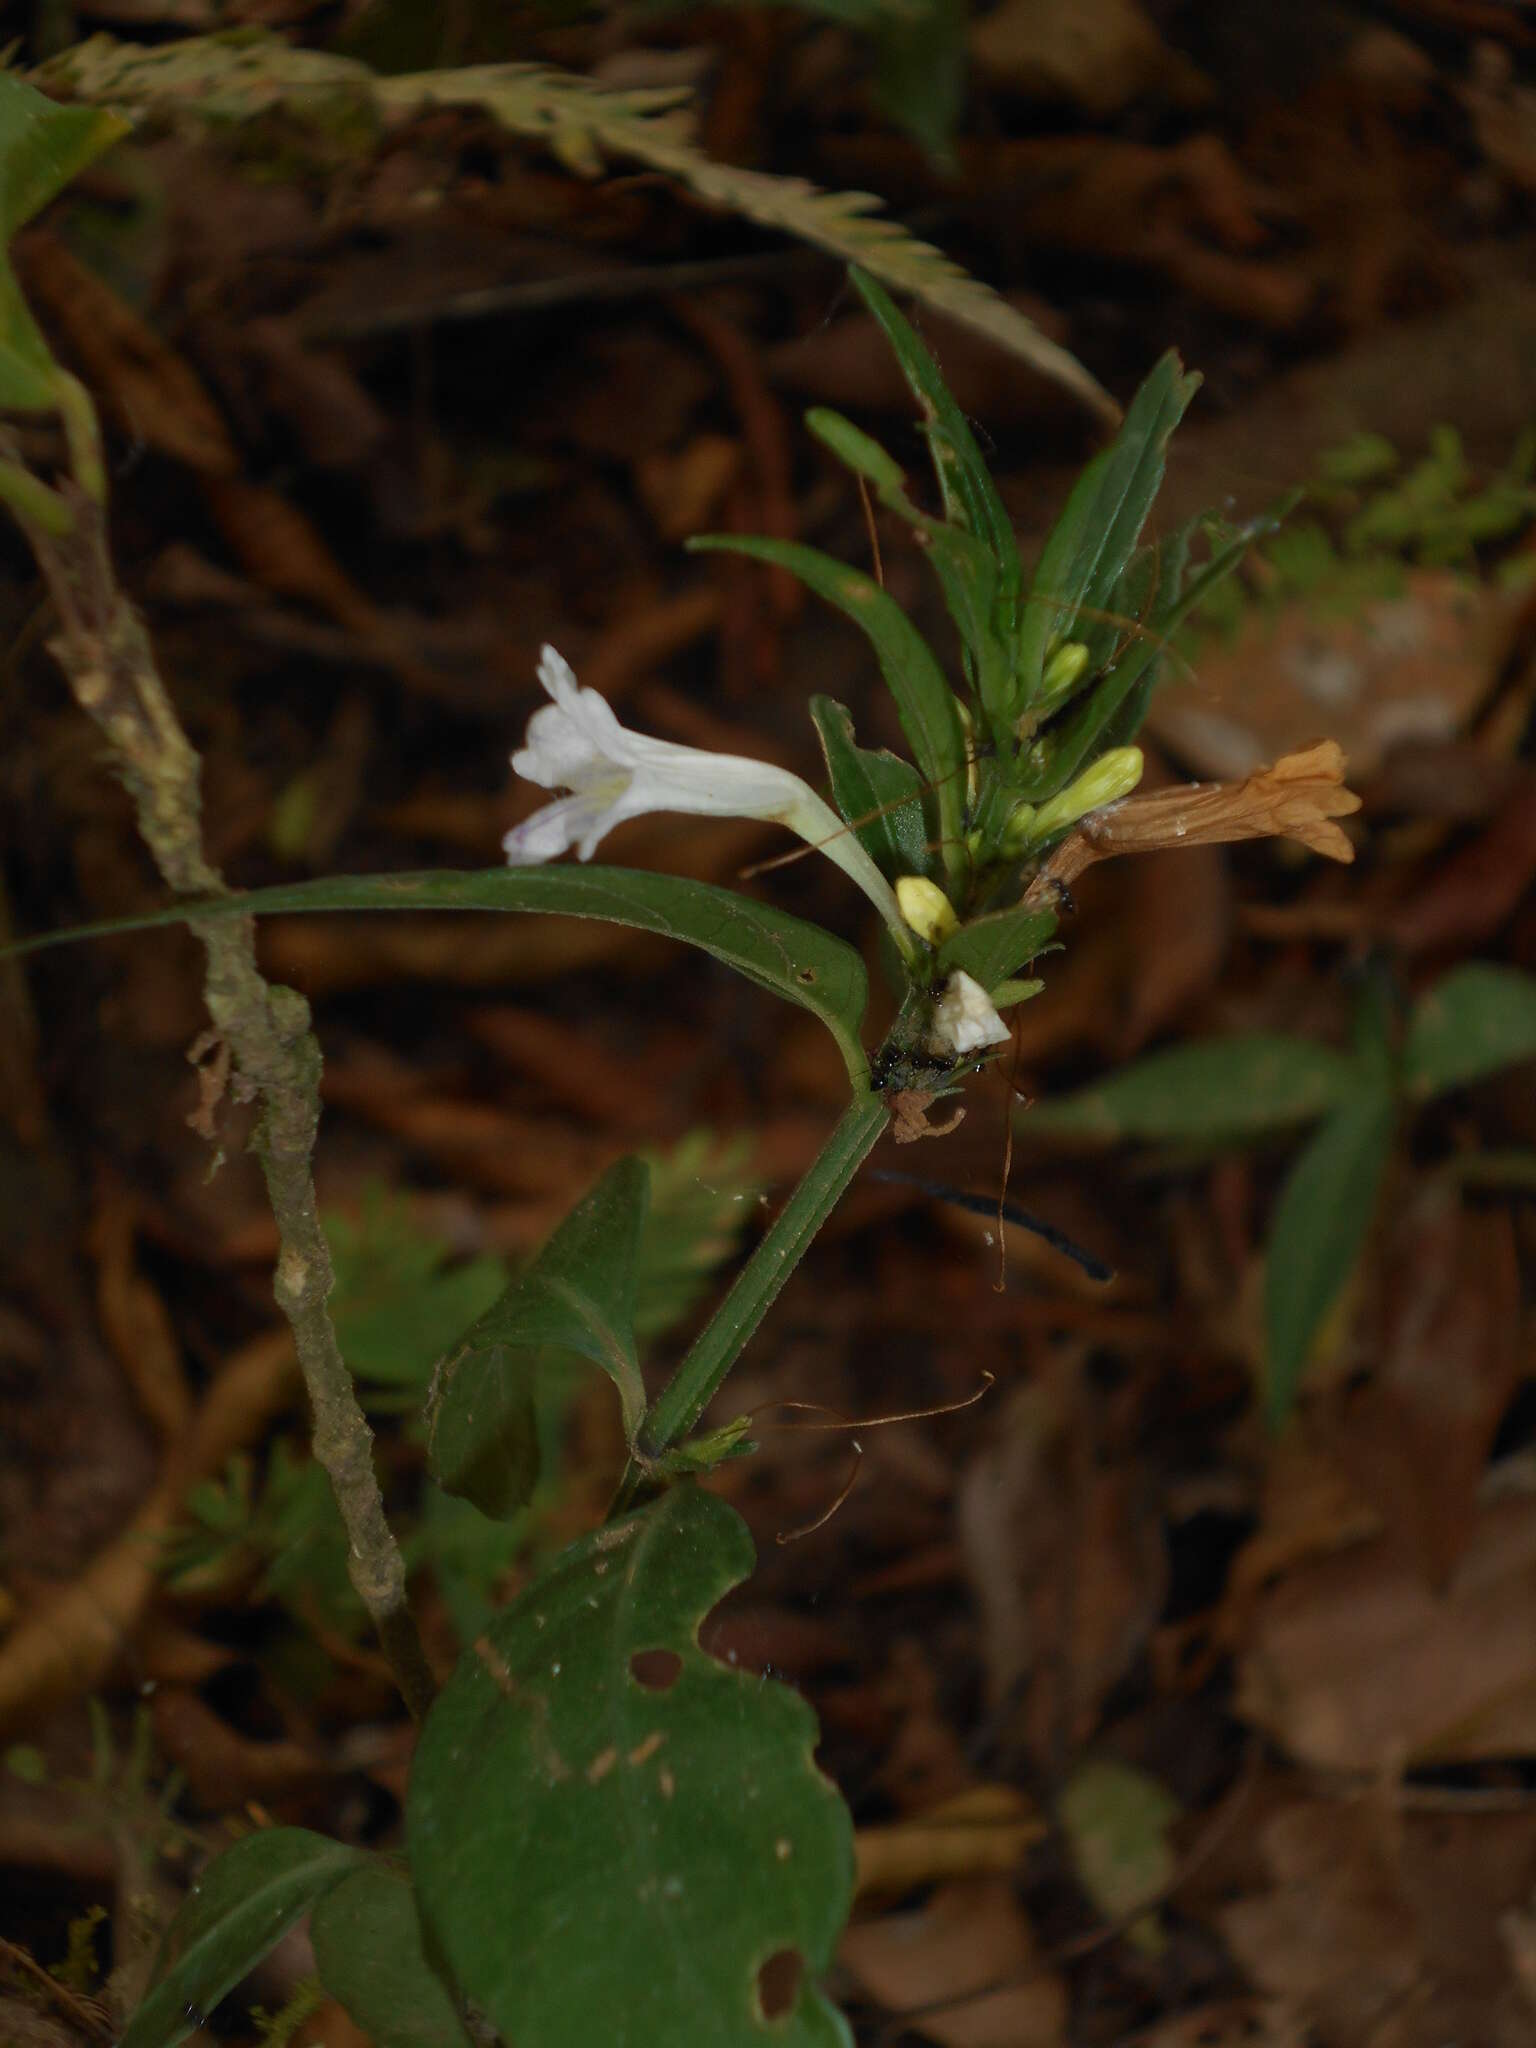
[576, 743]
[964, 1019]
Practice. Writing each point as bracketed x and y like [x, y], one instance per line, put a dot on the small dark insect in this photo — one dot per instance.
[1010, 1212]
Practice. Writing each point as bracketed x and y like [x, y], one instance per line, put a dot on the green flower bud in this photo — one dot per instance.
[1063, 668]
[1105, 781]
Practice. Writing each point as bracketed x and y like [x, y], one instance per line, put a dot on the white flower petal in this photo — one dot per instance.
[576, 743]
[964, 1019]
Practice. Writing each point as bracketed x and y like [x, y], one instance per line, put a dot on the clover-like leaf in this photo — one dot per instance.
[369, 1953]
[233, 1916]
[616, 1838]
[578, 1295]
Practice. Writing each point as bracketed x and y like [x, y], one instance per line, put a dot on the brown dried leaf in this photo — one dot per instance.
[969, 1935]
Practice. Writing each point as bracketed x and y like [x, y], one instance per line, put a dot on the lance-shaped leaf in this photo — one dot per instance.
[1206, 1093]
[796, 960]
[233, 1916]
[369, 1953]
[614, 1837]
[1320, 1223]
[929, 714]
[578, 1295]
[965, 482]
[1476, 1020]
[879, 794]
[42, 147]
[1091, 542]
[967, 572]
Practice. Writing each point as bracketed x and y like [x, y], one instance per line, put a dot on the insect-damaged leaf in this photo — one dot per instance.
[368, 1951]
[578, 1295]
[230, 1919]
[616, 1838]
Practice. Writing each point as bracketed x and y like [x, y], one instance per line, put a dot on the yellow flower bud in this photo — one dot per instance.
[927, 909]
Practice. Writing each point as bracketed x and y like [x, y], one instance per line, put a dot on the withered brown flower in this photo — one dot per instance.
[1300, 797]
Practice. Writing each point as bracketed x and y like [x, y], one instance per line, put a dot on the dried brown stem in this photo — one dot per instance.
[106, 655]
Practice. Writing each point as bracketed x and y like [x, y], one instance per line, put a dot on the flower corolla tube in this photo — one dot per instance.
[576, 743]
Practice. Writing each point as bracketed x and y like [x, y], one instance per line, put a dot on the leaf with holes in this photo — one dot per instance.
[233, 1916]
[369, 1953]
[578, 1295]
[42, 146]
[616, 1838]
[1477, 1020]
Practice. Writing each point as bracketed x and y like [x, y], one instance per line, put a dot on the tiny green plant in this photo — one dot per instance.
[1476, 1021]
[609, 1835]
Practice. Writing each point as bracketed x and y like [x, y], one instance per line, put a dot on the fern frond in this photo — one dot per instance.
[232, 75]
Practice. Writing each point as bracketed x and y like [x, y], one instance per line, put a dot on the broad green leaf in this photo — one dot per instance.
[368, 1950]
[879, 794]
[1091, 542]
[1116, 1820]
[930, 716]
[42, 147]
[578, 1295]
[796, 960]
[965, 482]
[610, 1832]
[233, 1916]
[1208, 1092]
[1320, 1223]
[920, 73]
[991, 949]
[1476, 1020]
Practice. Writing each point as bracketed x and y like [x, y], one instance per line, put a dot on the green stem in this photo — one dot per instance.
[698, 1379]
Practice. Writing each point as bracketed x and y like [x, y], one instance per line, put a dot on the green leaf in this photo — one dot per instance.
[610, 1832]
[796, 960]
[1116, 1820]
[234, 1915]
[929, 715]
[368, 1950]
[1320, 1223]
[990, 949]
[967, 572]
[1478, 1019]
[965, 483]
[1210, 1092]
[920, 73]
[879, 794]
[1091, 543]
[578, 1295]
[399, 1299]
[42, 147]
